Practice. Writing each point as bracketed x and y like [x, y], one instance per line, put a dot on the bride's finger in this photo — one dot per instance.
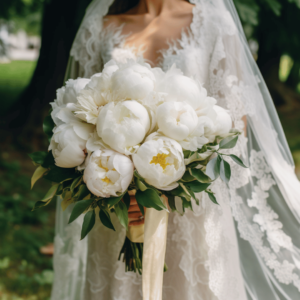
[133, 208]
[135, 223]
[135, 215]
[132, 200]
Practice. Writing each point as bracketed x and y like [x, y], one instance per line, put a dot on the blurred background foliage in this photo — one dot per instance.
[27, 87]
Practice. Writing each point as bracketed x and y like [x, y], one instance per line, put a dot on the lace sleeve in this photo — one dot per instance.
[86, 46]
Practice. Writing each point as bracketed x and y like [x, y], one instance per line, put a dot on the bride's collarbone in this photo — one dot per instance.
[151, 35]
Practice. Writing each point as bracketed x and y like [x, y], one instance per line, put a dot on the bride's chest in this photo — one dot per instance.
[185, 52]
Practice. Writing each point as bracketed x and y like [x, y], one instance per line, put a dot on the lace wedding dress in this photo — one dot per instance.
[246, 248]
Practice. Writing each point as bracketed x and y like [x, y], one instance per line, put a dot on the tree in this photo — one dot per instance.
[59, 26]
[275, 26]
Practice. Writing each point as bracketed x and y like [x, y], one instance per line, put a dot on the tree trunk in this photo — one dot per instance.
[59, 26]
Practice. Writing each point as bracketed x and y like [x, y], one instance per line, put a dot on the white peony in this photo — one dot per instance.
[206, 108]
[108, 173]
[223, 122]
[182, 88]
[160, 162]
[176, 120]
[96, 94]
[62, 107]
[132, 81]
[68, 144]
[123, 126]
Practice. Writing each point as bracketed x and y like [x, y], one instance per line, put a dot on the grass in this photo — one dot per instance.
[14, 77]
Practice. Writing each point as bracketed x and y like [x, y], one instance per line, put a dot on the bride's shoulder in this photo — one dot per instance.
[116, 20]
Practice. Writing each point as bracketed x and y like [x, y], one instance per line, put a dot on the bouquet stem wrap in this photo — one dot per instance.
[155, 240]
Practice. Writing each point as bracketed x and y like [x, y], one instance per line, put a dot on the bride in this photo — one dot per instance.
[248, 246]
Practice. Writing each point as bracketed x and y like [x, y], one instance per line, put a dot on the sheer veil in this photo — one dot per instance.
[265, 198]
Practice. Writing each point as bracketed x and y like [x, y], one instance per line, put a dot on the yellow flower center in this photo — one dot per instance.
[100, 165]
[160, 159]
[106, 179]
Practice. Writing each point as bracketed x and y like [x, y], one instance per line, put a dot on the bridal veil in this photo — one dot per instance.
[264, 199]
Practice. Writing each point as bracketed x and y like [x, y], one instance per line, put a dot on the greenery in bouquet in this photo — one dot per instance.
[133, 128]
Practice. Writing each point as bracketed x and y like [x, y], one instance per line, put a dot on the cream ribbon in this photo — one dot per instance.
[155, 241]
[154, 236]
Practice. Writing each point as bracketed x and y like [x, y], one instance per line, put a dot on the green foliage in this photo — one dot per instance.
[79, 208]
[122, 213]
[149, 198]
[26, 14]
[23, 270]
[88, 223]
[105, 219]
[225, 171]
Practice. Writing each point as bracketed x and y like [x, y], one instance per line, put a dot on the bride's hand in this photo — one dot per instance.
[134, 213]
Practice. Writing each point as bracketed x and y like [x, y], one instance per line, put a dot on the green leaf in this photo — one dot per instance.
[200, 175]
[212, 196]
[225, 171]
[122, 213]
[187, 176]
[213, 168]
[179, 192]
[105, 219]
[141, 207]
[51, 193]
[59, 190]
[48, 126]
[186, 204]
[49, 161]
[228, 142]
[75, 183]
[83, 191]
[88, 223]
[113, 200]
[193, 195]
[38, 173]
[140, 185]
[187, 153]
[171, 201]
[57, 174]
[150, 199]
[198, 187]
[238, 160]
[67, 200]
[79, 208]
[197, 157]
[126, 199]
[186, 192]
[38, 205]
[38, 157]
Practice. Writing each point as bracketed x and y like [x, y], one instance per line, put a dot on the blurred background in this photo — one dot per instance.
[35, 40]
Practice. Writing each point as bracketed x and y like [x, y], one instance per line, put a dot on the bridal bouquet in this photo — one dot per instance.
[133, 128]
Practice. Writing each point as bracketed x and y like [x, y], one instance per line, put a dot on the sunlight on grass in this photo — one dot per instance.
[14, 77]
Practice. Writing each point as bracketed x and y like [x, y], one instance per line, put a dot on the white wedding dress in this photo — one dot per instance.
[246, 248]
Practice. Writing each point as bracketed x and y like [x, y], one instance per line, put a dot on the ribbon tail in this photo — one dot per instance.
[155, 241]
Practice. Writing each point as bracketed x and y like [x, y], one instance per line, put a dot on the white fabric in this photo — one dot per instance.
[261, 204]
